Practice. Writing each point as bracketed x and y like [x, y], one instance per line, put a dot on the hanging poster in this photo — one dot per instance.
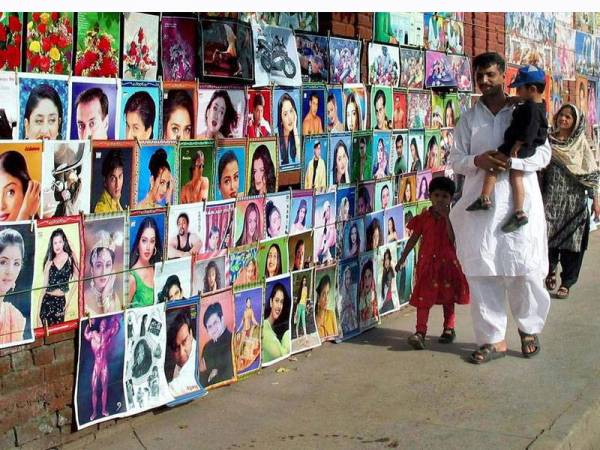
[94, 105]
[64, 192]
[383, 194]
[344, 61]
[276, 214]
[384, 65]
[366, 194]
[17, 252]
[297, 21]
[437, 70]
[287, 126]
[419, 109]
[584, 51]
[374, 230]
[381, 107]
[248, 324]
[98, 44]
[460, 68]
[155, 163]
[9, 110]
[103, 284]
[178, 48]
[345, 199]
[22, 161]
[447, 142]
[313, 109]
[273, 258]
[403, 28]
[140, 46]
[226, 50]
[99, 394]
[300, 250]
[275, 56]
[144, 379]
[111, 180]
[393, 224]
[355, 107]
[313, 51]
[260, 113]
[433, 155]
[263, 166]
[381, 154]
[456, 36]
[12, 26]
[412, 65]
[196, 171]
[44, 106]
[49, 42]
[210, 275]
[347, 294]
[221, 113]
[186, 230]
[179, 110]
[434, 31]
[354, 238]
[340, 148]
[249, 221]
[423, 180]
[368, 312]
[404, 275]
[326, 304]
[181, 360]
[140, 110]
[243, 269]
[324, 245]
[400, 110]
[408, 190]
[216, 339]
[276, 335]
[304, 332]
[316, 149]
[386, 280]
[219, 228]
[399, 153]
[230, 177]
[173, 280]
[301, 211]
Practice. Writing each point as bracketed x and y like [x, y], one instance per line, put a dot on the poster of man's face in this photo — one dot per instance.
[111, 176]
[93, 108]
[140, 110]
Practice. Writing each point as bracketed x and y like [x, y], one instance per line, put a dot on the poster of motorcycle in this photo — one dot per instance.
[226, 50]
[275, 56]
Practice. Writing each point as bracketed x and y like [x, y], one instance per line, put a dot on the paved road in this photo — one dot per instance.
[375, 392]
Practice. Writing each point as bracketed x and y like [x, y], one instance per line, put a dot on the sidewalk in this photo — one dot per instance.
[376, 392]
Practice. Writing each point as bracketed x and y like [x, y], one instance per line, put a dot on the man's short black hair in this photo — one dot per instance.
[111, 162]
[214, 308]
[93, 94]
[183, 318]
[485, 60]
[444, 184]
[185, 216]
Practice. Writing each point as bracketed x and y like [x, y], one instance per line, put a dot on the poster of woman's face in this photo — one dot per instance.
[384, 65]
[423, 180]
[416, 144]
[9, 110]
[347, 296]
[20, 179]
[216, 333]
[65, 193]
[386, 279]
[355, 108]
[288, 126]
[179, 110]
[210, 275]
[304, 332]
[345, 199]
[145, 382]
[408, 188]
[196, 171]
[344, 61]
[313, 111]
[94, 106]
[181, 360]
[324, 245]
[156, 180]
[243, 267]
[354, 238]
[340, 146]
[259, 118]
[249, 221]
[365, 198]
[313, 51]
[433, 154]
[96, 395]
[412, 67]
[230, 178]
[325, 303]
[384, 195]
[325, 209]
[393, 223]
[44, 106]
[273, 257]
[111, 176]
[226, 50]
[374, 230]
[146, 238]
[276, 336]
[248, 323]
[367, 292]
[221, 113]
[276, 214]
[17, 253]
[173, 280]
[300, 250]
[381, 154]
[58, 244]
[301, 212]
[140, 110]
[104, 258]
[262, 170]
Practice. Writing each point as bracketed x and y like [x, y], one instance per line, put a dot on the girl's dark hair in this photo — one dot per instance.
[374, 225]
[172, 280]
[278, 270]
[15, 165]
[262, 153]
[228, 157]
[421, 190]
[178, 98]
[148, 222]
[387, 253]
[413, 141]
[322, 282]
[340, 144]
[302, 205]
[158, 160]
[212, 265]
[442, 184]
[281, 324]
[9, 236]
[96, 251]
[368, 266]
[39, 93]
[231, 117]
[269, 209]
[291, 137]
[50, 255]
[244, 238]
[352, 99]
[142, 103]
[431, 143]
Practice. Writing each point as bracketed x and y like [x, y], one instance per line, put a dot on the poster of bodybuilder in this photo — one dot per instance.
[64, 191]
[275, 56]
[216, 339]
[111, 178]
[9, 110]
[99, 394]
[104, 264]
[17, 247]
[181, 360]
[144, 378]
[173, 280]
[186, 230]
[248, 324]
[304, 332]
[347, 294]
[94, 105]
[196, 171]
[276, 336]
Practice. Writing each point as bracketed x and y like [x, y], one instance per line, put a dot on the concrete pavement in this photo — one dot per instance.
[376, 392]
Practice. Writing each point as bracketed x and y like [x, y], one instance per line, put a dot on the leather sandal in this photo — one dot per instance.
[562, 293]
[485, 354]
[551, 281]
[526, 341]
[417, 341]
[447, 336]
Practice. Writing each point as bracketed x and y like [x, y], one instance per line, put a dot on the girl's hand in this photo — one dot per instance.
[31, 201]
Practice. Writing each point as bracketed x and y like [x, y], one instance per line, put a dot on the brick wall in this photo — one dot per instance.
[484, 32]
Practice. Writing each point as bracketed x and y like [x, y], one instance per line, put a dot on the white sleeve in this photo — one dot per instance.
[539, 160]
[460, 159]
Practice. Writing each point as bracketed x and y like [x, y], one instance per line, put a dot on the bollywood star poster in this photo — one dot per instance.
[248, 324]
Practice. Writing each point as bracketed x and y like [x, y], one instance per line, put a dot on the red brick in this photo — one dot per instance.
[64, 417]
[64, 350]
[480, 42]
[21, 405]
[43, 355]
[21, 348]
[21, 379]
[365, 32]
[58, 369]
[480, 24]
[35, 428]
[4, 365]
[365, 19]
[54, 338]
[21, 360]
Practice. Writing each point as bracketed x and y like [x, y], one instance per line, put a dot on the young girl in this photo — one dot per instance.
[439, 277]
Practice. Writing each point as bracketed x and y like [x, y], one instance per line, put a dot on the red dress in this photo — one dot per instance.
[439, 277]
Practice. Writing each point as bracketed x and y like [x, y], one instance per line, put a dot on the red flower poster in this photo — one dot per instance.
[11, 28]
[49, 42]
[98, 44]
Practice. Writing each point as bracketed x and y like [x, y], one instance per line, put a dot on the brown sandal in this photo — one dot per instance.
[562, 293]
[486, 353]
[551, 281]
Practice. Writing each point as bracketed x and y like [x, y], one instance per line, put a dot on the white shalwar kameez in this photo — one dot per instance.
[499, 265]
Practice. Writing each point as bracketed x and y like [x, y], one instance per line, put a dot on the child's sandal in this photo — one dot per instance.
[516, 221]
[417, 341]
[481, 204]
[447, 336]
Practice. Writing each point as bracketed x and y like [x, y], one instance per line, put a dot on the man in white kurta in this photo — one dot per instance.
[499, 266]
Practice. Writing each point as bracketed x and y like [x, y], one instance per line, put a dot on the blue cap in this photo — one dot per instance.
[529, 75]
